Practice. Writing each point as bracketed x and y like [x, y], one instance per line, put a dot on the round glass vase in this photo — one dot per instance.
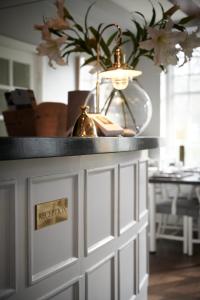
[130, 108]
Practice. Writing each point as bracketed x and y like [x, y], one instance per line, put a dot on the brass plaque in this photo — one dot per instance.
[51, 212]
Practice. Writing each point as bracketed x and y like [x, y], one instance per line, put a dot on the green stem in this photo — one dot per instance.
[125, 103]
[109, 102]
[128, 107]
[106, 102]
[124, 115]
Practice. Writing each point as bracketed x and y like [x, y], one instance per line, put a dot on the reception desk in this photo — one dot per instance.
[73, 218]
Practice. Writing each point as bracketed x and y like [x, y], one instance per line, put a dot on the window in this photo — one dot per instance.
[180, 110]
[18, 69]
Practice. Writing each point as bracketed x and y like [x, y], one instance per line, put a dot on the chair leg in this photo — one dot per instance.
[198, 226]
[190, 236]
[185, 234]
[159, 225]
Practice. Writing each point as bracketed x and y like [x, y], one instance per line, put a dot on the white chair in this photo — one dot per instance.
[172, 221]
[194, 223]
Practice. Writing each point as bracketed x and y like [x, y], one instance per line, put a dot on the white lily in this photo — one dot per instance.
[51, 48]
[163, 42]
[46, 34]
[58, 24]
[191, 42]
[60, 8]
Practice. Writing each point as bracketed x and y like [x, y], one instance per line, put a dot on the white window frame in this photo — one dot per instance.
[167, 116]
[16, 51]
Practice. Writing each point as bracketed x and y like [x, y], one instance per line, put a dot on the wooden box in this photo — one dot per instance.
[46, 119]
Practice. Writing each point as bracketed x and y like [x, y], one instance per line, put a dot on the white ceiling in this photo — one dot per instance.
[140, 5]
[144, 6]
[17, 21]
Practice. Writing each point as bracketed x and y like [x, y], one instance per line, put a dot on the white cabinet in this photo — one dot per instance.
[99, 252]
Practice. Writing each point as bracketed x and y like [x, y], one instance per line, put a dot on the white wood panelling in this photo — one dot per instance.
[127, 196]
[68, 291]
[99, 253]
[127, 271]
[100, 280]
[142, 189]
[143, 258]
[7, 238]
[100, 207]
[56, 246]
[143, 293]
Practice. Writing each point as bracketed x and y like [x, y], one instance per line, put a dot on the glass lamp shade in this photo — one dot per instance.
[130, 108]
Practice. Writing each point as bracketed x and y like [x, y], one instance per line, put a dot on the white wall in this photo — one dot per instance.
[57, 82]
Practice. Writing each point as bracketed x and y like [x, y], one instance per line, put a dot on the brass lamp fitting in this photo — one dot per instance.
[118, 59]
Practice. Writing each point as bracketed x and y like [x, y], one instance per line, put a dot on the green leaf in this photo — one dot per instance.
[132, 36]
[186, 20]
[132, 39]
[70, 38]
[56, 32]
[101, 41]
[79, 27]
[77, 50]
[153, 18]
[86, 17]
[83, 45]
[111, 38]
[67, 14]
[89, 60]
[134, 62]
[124, 42]
[179, 27]
[105, 48]
[73, 30]
[130, 57]
[162, 10]
[99, 27]
[95, 33]
[141, 15]
[140, 31]
[70, 45]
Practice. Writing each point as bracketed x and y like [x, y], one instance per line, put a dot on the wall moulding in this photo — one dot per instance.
[127, 205]
[44, 255]
[8, 234]
[100, 203]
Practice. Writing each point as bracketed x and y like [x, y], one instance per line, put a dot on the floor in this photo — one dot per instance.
[174, 276]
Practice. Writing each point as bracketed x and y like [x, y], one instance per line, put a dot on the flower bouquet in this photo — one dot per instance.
[160, 40]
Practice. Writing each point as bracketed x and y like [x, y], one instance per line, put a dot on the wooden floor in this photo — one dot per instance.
[174, 276]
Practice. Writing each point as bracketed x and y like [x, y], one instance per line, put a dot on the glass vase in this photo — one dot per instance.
[131, 107]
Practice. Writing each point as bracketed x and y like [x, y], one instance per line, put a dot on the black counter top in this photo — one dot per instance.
[13, 148]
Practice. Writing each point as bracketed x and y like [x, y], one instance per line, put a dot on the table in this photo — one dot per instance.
[192, 178]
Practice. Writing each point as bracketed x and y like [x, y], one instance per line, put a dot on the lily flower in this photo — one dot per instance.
[163, 42]
[51, 48]
[60, 8]
[58, 24]
[46, 34]
[191, 42]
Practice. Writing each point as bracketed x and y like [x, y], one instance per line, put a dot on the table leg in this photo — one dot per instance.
[152, 218]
